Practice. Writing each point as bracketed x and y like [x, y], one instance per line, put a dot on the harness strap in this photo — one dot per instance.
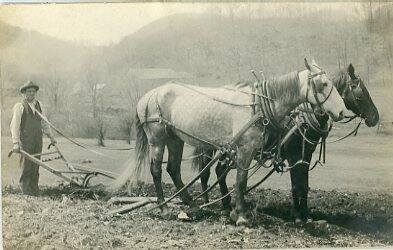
[312, 82]
[217, 99]
[353, 132]
[268, 107]
[265, 102]
[253, 100]
[312, 121]
[303, 135]
[247, 191]
[350, 118]
[168, 123]
[250, 93]
[322, 155]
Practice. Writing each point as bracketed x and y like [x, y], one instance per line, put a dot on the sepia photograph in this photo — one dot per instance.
[196, 124]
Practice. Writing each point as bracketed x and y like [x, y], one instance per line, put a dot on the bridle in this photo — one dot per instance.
[350, 86]
[311, 82]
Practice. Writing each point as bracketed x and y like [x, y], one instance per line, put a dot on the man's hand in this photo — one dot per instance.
[16, 148]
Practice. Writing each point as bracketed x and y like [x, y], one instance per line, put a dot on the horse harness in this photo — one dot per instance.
[262, 111]
[309, 121]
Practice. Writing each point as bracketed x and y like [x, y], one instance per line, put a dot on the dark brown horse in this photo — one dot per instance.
[356, 98]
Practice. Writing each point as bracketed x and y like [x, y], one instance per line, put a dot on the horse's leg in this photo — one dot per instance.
[156, 154]
[244, 158]
[296, 182]
[304, 213]
[220, 170]
[300, 187]
[175, 152]
[205, 177]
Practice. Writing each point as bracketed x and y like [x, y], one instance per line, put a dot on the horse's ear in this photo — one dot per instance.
[351, 71]
[306, 64]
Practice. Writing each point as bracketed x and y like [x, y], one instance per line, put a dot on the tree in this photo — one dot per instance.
[95, 84]
[54, 89]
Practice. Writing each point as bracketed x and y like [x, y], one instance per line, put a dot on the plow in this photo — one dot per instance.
[75, 174]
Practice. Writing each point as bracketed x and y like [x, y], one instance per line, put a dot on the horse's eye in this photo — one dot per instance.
[325, 84]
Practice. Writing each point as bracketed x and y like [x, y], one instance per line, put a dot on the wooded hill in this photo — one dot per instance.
[213, 49]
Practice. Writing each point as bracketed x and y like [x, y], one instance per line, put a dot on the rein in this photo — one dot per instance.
[250, 93]
[69, 139]
[353, 132]
[217, 99]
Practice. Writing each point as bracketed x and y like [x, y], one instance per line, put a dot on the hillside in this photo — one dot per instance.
[30, 54]
[216, 47]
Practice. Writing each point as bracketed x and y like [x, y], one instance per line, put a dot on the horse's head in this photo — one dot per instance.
[321, 92]
[357, 98]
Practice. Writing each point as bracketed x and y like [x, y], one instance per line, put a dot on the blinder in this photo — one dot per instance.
[350, 86]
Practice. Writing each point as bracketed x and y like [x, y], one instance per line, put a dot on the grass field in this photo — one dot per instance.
[362, 163]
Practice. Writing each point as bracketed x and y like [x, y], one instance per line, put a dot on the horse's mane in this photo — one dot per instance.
[339, 80]
[243, 84]
[282, 87]
[279, 87]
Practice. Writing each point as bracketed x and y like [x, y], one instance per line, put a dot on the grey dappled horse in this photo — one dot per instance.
[174, 114]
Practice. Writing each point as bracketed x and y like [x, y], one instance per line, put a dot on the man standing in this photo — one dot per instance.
[26, 131]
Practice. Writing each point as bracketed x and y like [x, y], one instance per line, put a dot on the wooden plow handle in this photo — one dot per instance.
[45, 166]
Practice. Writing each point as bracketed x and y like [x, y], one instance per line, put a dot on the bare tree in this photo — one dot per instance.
[101, 129]
[94, 84]
[54, 88]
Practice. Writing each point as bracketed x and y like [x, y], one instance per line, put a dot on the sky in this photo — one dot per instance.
[103, 24]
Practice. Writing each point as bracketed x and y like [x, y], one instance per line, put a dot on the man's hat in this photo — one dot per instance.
[28, 85]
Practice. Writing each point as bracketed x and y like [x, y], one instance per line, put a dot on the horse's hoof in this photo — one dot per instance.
[165, 210]
[234, 216]
[194, 208]
[242, 221]
[226, 212]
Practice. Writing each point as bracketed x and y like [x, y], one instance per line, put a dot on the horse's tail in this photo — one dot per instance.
[141, 150]
[197, 161]
[203, 153]
[133, 167]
